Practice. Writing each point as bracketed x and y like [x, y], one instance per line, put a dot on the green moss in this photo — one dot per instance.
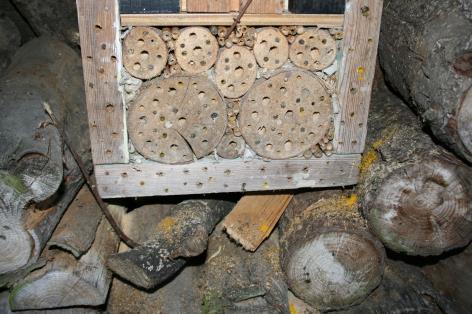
[13, 182]
[212, 303]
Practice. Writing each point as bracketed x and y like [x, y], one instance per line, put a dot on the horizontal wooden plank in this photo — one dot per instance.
[203, 177]
[322, 20]
[149, 6]
[317, 7]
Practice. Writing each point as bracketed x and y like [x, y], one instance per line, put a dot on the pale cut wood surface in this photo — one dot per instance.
[265, 6]
[254, 218]
[361, 37]
[151, 178]
[208, 5]
[101, 56]
[202, 19]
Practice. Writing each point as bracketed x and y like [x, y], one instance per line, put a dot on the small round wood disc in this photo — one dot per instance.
[196, 49]
[236, 71]
[174, 119]
[314, 50]
[271, 48]
[231, 147]
[144, 53]
[286, 115]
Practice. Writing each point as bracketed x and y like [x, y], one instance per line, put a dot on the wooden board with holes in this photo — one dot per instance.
[254, 217]
[101, 58]
[265, 6]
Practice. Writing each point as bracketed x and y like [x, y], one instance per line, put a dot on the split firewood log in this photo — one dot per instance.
[34, 165]
[452, 276]
[329, 258]
[65, 280]
[179, 236]
[425, 51]
[416, 196]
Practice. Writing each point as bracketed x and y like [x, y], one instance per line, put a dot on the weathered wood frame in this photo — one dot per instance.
[100, 24]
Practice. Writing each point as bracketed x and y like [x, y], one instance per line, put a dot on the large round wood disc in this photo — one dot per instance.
[271, 48]
[174, 119]
[196, 49]
[286, 115]
[236, 71]
[313, 50]
[144, 53]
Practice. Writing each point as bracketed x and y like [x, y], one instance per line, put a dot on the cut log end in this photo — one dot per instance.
[127, 269]
[424, 209]
[335, 269]
[16, 246]
[41, 294]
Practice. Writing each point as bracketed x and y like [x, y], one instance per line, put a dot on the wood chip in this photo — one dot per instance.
[176, 118]
[271, 48]
[235, 71]
[314, 50]
[196, 49]
[144, 53]
[284, 116]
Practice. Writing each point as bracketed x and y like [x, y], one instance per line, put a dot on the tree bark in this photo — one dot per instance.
[31, 149]
[452, 276]
[415, 195]
[66, 281]
[426, 53]
[181, 235]
[329, 258]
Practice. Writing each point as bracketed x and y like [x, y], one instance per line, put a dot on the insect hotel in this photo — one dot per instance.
[179, 103]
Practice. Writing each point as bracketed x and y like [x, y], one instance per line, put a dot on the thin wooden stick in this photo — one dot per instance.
[237, 20]
[91, 183]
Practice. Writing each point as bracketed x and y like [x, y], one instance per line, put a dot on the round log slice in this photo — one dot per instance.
[236, 71]
[271, 48]
[196, 49]
[144, 53]
[231, 147]
[314, 50]
[286, 115]
[176, 118]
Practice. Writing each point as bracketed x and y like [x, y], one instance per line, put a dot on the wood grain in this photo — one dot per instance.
[265, 6]
[208, 5]
[151, 178]
[254, 218]
[208, 19]
[361, 37]
[101, 57]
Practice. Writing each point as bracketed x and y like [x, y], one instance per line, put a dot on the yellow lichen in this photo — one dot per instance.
[293, 309]
[167, 224]
[350, 201]
[368, 160]
[264, 228]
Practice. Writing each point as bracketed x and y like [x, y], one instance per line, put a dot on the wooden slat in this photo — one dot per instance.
[101, 56]
[208, 6]
[265, 6]
[317, 7]
[149, 6]
[254, 217]
[151, 178]
[206, 19]
[361, 36]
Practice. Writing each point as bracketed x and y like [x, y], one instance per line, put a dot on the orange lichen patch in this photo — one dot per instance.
[292, 308]
[264, 228]
[351, 201]
[368, 160]
[167, 224]
[360, 73]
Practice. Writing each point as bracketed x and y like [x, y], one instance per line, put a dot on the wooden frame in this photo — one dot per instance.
[100, 23]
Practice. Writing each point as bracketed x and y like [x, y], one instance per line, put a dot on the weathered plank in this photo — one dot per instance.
[254, 217]
[208, 5]
[265, 6]
[361, 37]
[208, 19]
[151, 178]
[101, 56]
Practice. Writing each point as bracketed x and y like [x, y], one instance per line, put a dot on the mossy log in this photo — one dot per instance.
[425, 51]
[179, 236]
[329, 258]
[39, 178]
[416, 196]
[65, 280]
